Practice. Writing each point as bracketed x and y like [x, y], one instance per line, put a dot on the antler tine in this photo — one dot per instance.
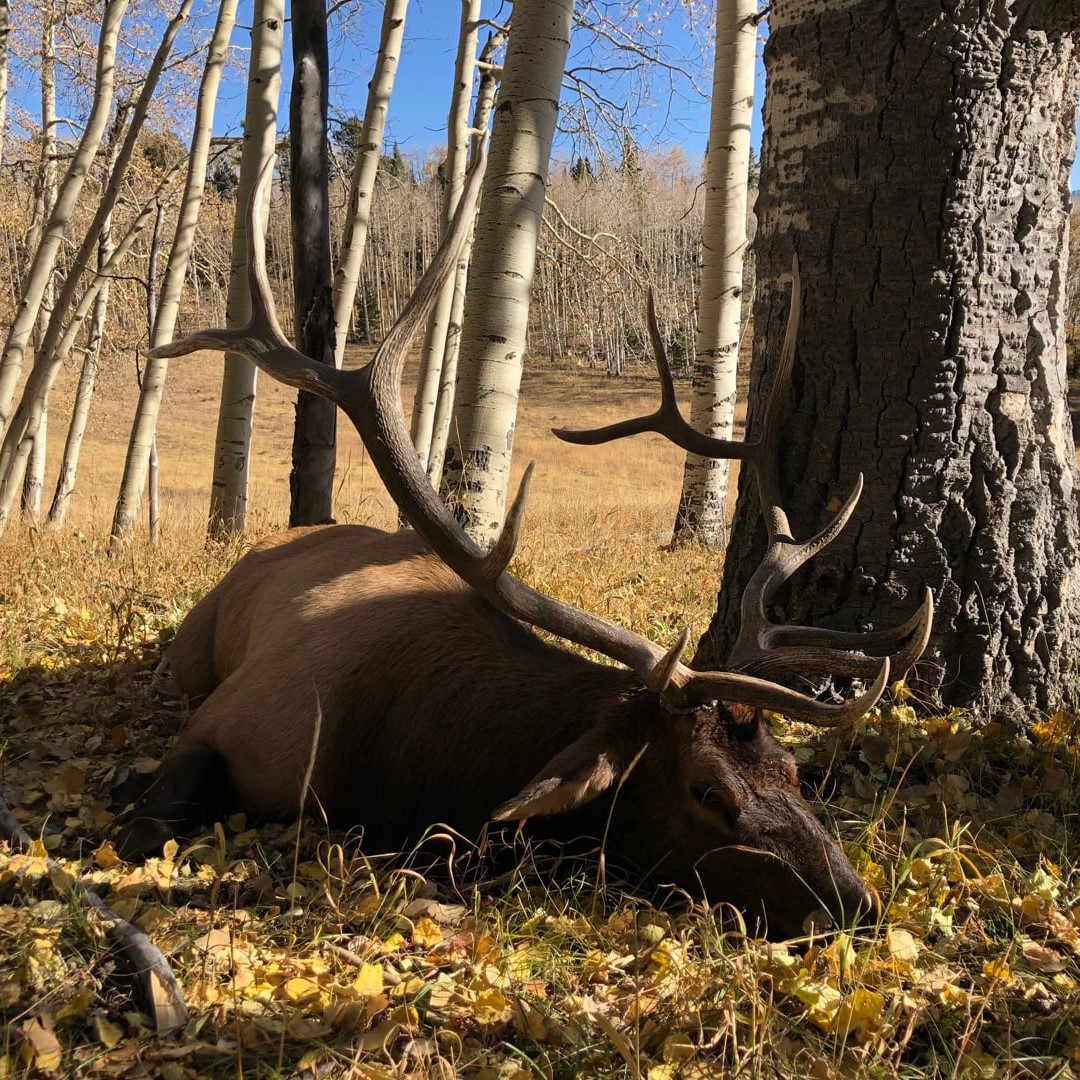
[763, 647]
[667, 420]
[371, 398]
[261, 339]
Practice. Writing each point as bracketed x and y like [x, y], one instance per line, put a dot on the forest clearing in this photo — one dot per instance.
[294, 951]
[742, 741]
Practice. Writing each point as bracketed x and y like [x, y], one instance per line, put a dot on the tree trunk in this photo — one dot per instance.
[27, 417]
[477, 466]
[926, 192]
[457, 135]
[44, 258]
[702, 513]
[5, 34]
[311, 481]
[444, 408]
[47, 360]
[362, 183]
[144, 425]
[228, 493]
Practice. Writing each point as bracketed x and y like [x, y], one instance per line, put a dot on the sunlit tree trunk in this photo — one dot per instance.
[362, 182]
[228, 493]
[47, 361]
[702, 509]
[5, 34]
[477, 466]
[917, 159]
[141, 441]
[457, 133]
[44, 258]
[84, 393]
[44, 201]
[311, 481]
[444, 408]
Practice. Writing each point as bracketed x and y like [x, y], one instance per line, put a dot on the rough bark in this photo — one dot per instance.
[228, 492]
[314, 448]
[917, 159]
[702, 513]
[477, 466]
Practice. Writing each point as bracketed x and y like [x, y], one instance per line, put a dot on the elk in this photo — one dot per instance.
[404, 665]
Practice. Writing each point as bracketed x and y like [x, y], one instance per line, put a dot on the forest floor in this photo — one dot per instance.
[299, 957]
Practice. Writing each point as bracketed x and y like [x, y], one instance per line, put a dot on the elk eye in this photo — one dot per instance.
[716, 798]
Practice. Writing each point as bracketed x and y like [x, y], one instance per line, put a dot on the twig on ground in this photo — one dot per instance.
[143, 958]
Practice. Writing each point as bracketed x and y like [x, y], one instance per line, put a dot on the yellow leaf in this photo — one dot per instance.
[299, 990]
[106, 1032]
[394, 941]
[677, 1048]
[998, 970]
[106, 856]
[901, 945]
[406, 1016]
[369, 980]
[40, 1047]
[426, 933]
[859, 1011]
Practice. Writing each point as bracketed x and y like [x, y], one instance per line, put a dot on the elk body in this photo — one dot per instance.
[399, 665]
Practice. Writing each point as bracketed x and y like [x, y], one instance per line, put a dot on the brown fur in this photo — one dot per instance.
[435, 707]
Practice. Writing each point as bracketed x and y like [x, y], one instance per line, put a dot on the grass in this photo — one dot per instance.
[295, 951]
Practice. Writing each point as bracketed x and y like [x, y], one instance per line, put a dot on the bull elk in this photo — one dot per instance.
[409, 655]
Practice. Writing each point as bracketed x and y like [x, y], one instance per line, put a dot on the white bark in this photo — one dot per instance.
[703, 505]
[485, 96]
[362, 184]
[44, 259]
[47, 360]
[477, 465]
[228, 493]
[144, 425]
[5, 34]
[27, 417]
[80, 411]
[457, 132]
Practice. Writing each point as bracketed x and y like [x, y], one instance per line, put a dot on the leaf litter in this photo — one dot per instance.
[297, 955]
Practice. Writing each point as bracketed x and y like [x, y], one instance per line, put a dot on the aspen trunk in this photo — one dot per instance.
[362, 183]
[27, 417]
[702, 513]
[44, 258]
[457, 133]
[477, 467]
[228, 492]
[141, 441]
[5, 34]
[925, 189]
[47, 363]
[444, 408]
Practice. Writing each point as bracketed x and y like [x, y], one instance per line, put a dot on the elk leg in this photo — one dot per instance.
[188, 789]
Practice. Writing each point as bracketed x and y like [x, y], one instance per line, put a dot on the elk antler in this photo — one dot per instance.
[763, 647]
[371, 398]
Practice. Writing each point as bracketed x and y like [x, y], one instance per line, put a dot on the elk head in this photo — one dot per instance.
[734, 823]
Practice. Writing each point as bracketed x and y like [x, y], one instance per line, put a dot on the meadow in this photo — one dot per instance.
[298, 955]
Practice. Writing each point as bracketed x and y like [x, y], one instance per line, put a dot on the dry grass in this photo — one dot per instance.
[293, 950]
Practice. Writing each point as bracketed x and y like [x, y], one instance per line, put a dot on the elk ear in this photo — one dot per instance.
[588, 767]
